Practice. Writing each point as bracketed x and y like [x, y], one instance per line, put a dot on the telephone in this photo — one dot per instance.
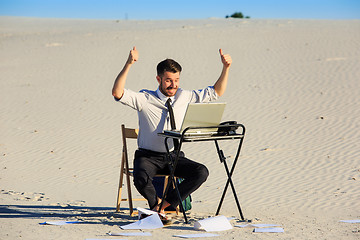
[223, 131]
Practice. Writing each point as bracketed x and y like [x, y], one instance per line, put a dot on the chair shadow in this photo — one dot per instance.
[87, 215]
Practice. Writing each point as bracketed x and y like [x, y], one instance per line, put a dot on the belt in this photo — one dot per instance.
[153, 153]
[159, 154]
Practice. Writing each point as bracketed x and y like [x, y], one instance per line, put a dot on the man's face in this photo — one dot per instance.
[169, 83]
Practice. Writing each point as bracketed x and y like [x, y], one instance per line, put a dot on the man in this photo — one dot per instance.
[153, 114]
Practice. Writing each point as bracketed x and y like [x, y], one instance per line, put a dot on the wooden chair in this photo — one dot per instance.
[130, 133]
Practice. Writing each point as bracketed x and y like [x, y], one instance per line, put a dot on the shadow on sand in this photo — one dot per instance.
[88, 215]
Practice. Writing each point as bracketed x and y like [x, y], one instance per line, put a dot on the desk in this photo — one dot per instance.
[184, 138]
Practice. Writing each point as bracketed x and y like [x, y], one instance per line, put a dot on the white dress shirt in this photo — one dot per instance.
[153, 113]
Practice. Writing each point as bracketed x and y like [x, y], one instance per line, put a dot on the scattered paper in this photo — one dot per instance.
[59, 223]
[260, 225]
[197, 235]
[130, 234]
[145, 211]
[150, 222]
[351, 221]
[269, 230]
[218, 223]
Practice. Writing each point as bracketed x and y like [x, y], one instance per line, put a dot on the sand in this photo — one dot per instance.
[294, 84]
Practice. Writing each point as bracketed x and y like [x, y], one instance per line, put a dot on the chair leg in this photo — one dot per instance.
[129, 187]
[120, 184]
[129, 194]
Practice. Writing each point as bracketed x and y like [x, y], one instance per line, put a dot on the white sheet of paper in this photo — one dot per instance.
[259, 225]
[150, 222]
[145, 211]
[59, 223]
[197, 235]
[351, 221]
[131, 234]
[269, 230]
[218, 223]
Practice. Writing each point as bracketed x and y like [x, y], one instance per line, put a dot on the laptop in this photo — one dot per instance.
[200, 115]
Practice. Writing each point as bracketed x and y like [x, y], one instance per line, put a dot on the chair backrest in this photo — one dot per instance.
[128, 133]
[131, 133]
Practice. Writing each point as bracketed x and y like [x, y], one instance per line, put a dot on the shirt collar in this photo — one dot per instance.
[163, 97]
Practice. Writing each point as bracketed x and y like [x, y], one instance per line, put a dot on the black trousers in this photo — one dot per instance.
[148, 163]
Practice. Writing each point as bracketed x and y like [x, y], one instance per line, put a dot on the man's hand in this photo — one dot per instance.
[225, 58]
[221, 83]
[133, 56]
[119, 84]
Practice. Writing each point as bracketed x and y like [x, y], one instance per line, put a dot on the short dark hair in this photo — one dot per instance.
[168, 65]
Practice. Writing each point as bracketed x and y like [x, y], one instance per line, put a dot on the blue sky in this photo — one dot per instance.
[181, 9]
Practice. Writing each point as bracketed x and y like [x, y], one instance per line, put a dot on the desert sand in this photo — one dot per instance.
[294, 84]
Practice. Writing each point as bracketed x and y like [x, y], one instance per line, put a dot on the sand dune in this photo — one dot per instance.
[294, 84]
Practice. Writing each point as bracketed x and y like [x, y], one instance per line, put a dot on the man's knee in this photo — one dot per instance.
[141, 179]
[203, 173]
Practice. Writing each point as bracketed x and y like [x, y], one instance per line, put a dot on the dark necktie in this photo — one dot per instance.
[171, 113]
[172, 121]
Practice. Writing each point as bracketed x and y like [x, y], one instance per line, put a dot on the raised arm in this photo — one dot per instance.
[119, 84]
[221, 83]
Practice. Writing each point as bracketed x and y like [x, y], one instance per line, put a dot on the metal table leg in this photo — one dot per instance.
[229, 180]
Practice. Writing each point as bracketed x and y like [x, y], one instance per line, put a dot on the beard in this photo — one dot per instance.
[169, 91]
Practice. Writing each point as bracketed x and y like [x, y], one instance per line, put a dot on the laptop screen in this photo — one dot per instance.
[203, 115]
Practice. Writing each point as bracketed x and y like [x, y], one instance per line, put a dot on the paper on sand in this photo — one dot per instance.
[130, 234]
[351, 221]
[197, 235]
[59, 223]
[262, 227]
[269, 230]
[151, 222]
[259, 225]
[145, 211]
[218, 223]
